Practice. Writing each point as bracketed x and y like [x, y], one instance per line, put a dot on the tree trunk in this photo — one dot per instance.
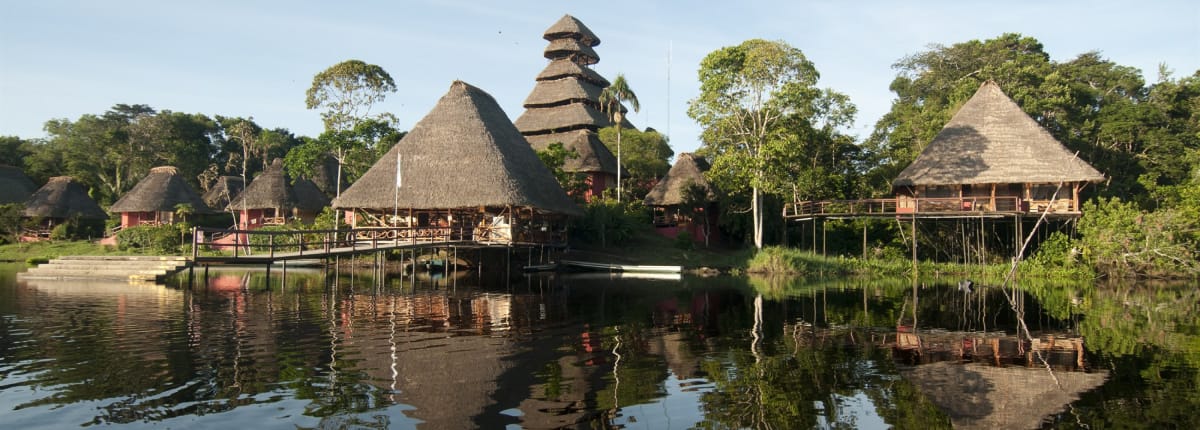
[757, 215]
[618, 116]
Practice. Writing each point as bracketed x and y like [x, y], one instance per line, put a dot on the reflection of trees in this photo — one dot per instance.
[1149, 338]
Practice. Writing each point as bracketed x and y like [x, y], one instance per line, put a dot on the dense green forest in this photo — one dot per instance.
[770, 133]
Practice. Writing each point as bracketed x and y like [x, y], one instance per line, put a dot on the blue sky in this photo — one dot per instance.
[61, 59]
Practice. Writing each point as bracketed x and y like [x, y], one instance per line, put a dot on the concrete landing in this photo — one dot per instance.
[132, 268]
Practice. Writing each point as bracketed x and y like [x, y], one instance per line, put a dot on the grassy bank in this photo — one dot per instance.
[32, 251]
[788, 261]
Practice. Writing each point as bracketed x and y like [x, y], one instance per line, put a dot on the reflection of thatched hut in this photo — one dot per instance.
[156, 197]
[668, 196]
[993, 155]
[15, 187]
[465, 165]
[223, 191]
[272, 199]
[564, 106]
[990, 397]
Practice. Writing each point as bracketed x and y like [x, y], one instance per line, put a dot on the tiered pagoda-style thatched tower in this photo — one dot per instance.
[564, 105]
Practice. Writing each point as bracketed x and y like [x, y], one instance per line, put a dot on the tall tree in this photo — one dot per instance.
[751, 98]
[346, 92]
[647, 157]
[611, 100]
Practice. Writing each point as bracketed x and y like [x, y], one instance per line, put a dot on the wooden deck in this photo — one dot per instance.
[264, 247]
[928, 208]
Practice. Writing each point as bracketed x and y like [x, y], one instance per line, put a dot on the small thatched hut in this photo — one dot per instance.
[992, 154]
[564, 106]
[464, 166]
[15, 187]
[273, 199]
[669, 195]
[60, 200]
[223, 191]
[156, 198]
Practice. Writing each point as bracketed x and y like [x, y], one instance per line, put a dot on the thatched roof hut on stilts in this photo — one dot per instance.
[464, 167]
[993, 157]
[670, 200]
[156, 197]
[564, 106]
[273, 199]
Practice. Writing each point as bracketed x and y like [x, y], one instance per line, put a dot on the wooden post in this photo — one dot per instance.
[864, 249]
[993, 198]
[914, 251]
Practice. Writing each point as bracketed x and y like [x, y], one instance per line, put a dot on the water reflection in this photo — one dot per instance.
[309, 350]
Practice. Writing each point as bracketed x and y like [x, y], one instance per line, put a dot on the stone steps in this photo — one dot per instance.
[103, 267]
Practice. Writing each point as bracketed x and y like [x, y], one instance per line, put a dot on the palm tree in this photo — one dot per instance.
[610, 101]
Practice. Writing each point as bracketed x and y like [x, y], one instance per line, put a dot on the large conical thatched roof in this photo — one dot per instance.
[272, 189]
[224, 191]
[160, 191]
[62, 197]
[992, 141]
[593, 156]
[464, 153]
[572, 28]
[15, 187]
[555, 91]
[573, 50]
[688, 169]
[563, 68]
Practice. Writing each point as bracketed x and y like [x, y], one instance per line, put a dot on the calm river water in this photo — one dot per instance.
[244, 350]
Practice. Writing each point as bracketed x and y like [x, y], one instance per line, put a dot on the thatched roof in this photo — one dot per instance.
[688, 169]
[272, 189]
[63, 198]
[563, 68]
[571, 27]
[988, 397]
[562, 118]
[224, 191]
[558, 91]
[593, 155]
[990, 140]
[464, 153]
[573, 50]
[326, 175]
[160, 191]
[15, 187]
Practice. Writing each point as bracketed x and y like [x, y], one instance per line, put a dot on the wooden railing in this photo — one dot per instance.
[299, 243]
[916, 205]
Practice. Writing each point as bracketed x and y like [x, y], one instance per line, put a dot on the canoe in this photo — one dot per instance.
[587, 265]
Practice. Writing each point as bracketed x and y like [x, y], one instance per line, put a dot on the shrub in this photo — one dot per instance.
[684, 241]
[607, 222]
[162, 238]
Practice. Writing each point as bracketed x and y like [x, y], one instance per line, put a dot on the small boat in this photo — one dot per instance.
[633, 268]
[550, 267]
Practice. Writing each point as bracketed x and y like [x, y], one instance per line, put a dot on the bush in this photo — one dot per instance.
[76, 229]
[161, 238]
[684, 241]
[607, 222]
[1119, 239]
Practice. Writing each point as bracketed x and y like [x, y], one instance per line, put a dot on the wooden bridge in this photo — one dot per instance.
[224, 246]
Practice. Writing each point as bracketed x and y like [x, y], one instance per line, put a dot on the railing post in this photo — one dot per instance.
[271, 244]
[195, 243]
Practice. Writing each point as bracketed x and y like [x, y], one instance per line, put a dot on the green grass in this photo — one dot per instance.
[53, 249]
[790, 261]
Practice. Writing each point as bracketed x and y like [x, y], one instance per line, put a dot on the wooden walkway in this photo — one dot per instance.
[925, 208]
[265, 247]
